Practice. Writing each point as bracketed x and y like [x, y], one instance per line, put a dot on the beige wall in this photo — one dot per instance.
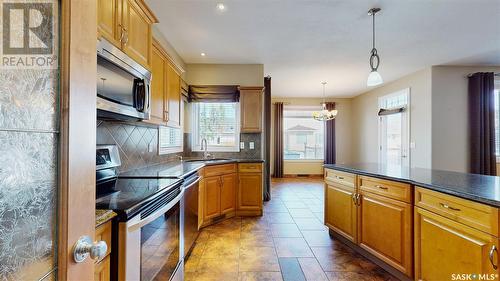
[225, 74]
[342, 136]
[365, 121]
[449, 116]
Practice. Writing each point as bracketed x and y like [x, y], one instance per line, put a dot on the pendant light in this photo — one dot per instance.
[324, 114]
[374, 77]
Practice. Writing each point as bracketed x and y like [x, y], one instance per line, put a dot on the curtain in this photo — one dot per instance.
[330, 152]
[482, 123]
[214, 93]
[267, 137]
[278, 140]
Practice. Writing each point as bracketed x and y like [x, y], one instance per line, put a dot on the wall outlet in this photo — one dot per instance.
[150, 147]
[242, 145]
[252, 145]
[412, 144]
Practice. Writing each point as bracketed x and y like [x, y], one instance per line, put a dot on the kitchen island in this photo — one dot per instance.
[411, 220]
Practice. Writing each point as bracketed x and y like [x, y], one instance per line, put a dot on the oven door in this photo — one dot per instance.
[151, 243]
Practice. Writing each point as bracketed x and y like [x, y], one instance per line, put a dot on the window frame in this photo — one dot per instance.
[196, 146]
[306, 108]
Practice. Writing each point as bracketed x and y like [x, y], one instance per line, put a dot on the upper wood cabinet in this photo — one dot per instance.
[251, 109]
[173, 96]
[158, 103]
[127, 24]
[444, 247]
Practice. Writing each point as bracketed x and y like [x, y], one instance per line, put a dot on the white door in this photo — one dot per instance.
[394, 130]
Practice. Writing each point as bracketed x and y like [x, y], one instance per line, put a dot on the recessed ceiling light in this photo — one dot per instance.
[221, 7]
[203, 54]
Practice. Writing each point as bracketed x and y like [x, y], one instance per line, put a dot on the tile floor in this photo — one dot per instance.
[288, 243]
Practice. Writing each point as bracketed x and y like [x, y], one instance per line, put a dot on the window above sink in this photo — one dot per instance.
[218, 123]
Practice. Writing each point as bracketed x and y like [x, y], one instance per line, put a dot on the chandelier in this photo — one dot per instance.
[324, 114]
[374, 77]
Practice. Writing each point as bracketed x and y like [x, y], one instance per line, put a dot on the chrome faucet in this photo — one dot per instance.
[206, 155]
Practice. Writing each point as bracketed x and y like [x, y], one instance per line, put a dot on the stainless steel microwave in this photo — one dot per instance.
[123, 85]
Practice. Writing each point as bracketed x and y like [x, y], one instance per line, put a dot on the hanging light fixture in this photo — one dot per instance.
[374, 77]
[324, 114]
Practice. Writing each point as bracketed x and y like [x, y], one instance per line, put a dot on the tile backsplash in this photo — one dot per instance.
[138, 145]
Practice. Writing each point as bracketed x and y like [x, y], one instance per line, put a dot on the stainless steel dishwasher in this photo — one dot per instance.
[191, 190]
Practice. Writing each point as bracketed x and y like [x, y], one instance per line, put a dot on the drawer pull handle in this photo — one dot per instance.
[492, 251]
[354, 199]
[382, 187]
[340, 178]
[446, 206]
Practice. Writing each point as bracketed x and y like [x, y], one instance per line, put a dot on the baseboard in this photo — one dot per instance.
[394, 272]
[318, 176]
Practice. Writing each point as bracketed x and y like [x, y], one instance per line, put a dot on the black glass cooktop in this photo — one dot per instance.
[127, 197]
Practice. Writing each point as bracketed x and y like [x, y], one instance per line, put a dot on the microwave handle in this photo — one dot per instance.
[147, 96]
[137, 225]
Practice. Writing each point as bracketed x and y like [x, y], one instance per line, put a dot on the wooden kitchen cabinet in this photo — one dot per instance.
[250, 189]
[102, 270]
[173, 96]
[341, 209]
[444, 247]
[127, 24]
[385, 230]
[251, 109]
[158, 103]
[228, 193]
[211, 199]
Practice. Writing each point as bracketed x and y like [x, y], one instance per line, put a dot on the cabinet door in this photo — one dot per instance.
[251, 111]
[250, 191]
[341, 211]
[158, 88]
[385, 230]
[108, 21]
[211, 198]
[137, 41]
[228, 193]
[174, 97]
[102, 270]
[444, 248]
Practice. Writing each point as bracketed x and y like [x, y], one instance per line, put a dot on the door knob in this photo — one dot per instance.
[85, 247]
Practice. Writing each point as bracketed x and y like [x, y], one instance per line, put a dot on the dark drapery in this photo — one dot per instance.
[330, 152]
[214, 93]
[278, 140]
[482, 123]
[267, 138]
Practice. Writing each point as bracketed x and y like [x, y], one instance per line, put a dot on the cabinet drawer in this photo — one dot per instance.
[340, 177]
[391, 189]
[473, 214]
[250, 167]
[217, 170]
[103, 233]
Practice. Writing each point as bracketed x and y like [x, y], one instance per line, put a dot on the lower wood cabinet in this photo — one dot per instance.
[102, 270]
[250, 189]
[341, 210]
[444, 247]
[228, 193]
[102, 267]
[211, 199]
[385, 230]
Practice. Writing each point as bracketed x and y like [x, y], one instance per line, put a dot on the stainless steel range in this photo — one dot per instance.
[148, 231]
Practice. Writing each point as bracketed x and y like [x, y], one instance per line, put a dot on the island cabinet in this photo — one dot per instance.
[219, 192]
[453, 235]
[374, 214]
[250, 189]
[251, 109]
[127, 24]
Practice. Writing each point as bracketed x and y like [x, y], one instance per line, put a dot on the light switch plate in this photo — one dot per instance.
[242, 145]
[251, 145]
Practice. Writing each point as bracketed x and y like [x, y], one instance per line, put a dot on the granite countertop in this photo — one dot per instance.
[103, 216]
[181, 168]
[479, 188]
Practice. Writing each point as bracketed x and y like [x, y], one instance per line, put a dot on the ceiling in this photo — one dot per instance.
[302, 43]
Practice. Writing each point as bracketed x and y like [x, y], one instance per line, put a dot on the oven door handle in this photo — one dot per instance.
[192, 183]
[137, 225]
